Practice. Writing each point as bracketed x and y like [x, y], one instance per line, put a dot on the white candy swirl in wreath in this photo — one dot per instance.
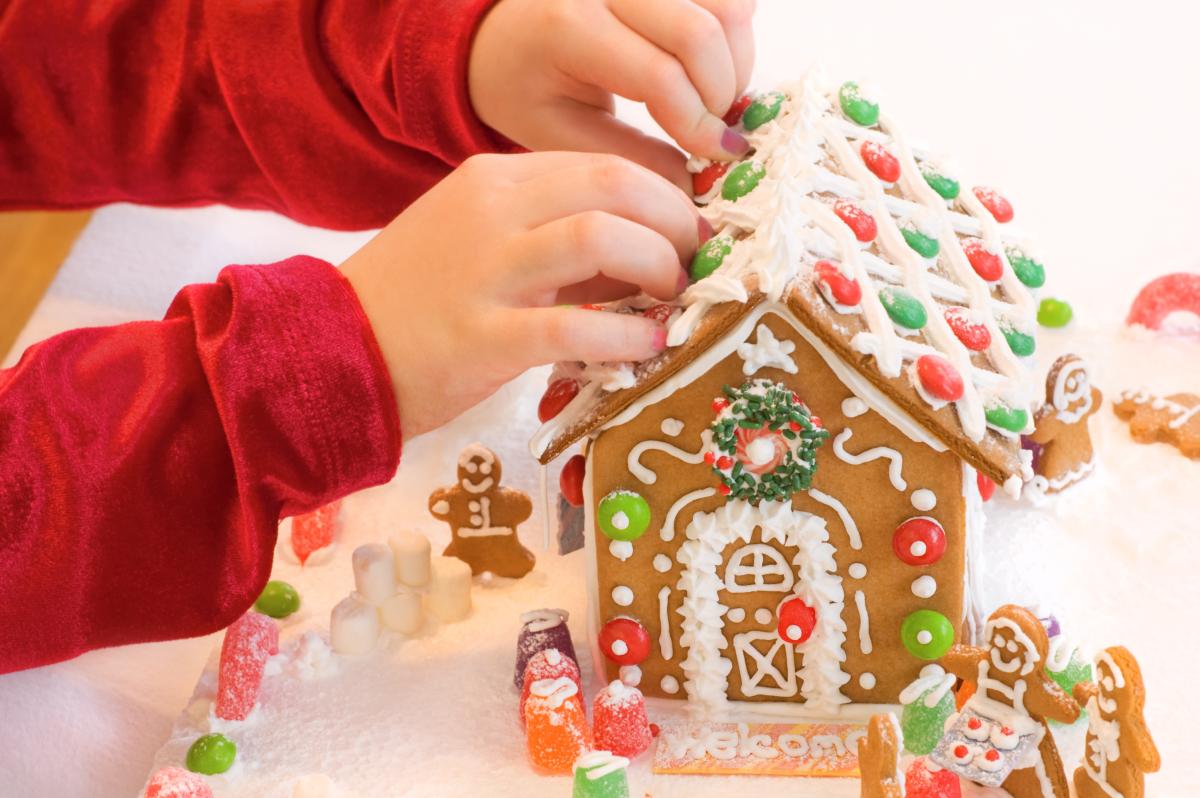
[764, 442]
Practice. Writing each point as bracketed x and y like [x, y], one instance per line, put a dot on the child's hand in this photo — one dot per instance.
[461, 289]
[543, 73]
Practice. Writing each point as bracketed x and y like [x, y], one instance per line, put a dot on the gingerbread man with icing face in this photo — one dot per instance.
[1118, 751]
[1061, 424]
[483, 516]
[1011, 685]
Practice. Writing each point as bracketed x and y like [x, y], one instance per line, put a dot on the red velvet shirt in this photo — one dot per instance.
[144, 467]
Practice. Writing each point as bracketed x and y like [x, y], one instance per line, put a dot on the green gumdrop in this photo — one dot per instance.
[1020, 343]
[1006, 418]
[1028, 270]
[610, 785]
[922, 244]
[903, 308]
[742, 179]
[1054, 313]
[946, 187]
[927, 646]
[278, 599]
[855, 106]
[1076, 672]
[923, 726]
[710, 256]
[211, 754]
[623, 515]
[762, 110]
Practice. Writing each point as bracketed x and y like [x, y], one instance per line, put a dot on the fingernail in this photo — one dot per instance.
[706, 229]
[734, 143]
[682, 283]
[659, 340]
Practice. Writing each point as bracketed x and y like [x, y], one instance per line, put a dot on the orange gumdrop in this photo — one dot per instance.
[964, 693]
[555, 727]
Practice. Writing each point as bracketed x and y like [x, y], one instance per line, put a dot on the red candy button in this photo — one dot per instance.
[796, 621]
[570, 480]
[919, 541]
[992, 200]
[734, 114]
[987, 264]
[880, 161]
[1163, 296]
[858, 220]
[844, 290]
[972, 334]
[706, 178]
[939, 378]
[625, 641]
[986, 486]
[557, 396]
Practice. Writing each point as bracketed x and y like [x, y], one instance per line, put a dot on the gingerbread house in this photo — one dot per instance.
[785, 506]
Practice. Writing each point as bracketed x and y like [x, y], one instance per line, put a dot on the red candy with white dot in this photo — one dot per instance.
[549, 663]
[1163, 296]
[734, 114]
[987, 264]
[970, 332]
[570, 480]
[796, 621]
[836, 286]
[249, 641]
[173, 782]
[861, 223]
[1000, 208]
[558, 395]
[939, 378]
[619, 722]
[919, 541]
[314, 531]
[986, 486]
[921, 782]
[625, 641]
[706, 178]
[880, 161]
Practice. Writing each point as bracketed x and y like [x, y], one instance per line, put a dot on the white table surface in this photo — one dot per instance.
[1084, 113]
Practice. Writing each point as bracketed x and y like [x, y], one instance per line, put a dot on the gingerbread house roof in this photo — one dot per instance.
[922, 288]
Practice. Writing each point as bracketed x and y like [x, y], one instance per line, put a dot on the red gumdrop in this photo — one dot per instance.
[549, 663]
[973, 334]
[994, 201]
[844, 290]
[919, 541]
[706, 178]
[249, 641]
[796, 621]
[625, 641]
[558, 395]
[315, 530]
[1163, 296]
[619, 722]
[987, 264]
[921, 782]
[734, 114]
[939, 378]
[173, 782]
[570, 480]
[880, 161]
[858, 220]
[986, 486]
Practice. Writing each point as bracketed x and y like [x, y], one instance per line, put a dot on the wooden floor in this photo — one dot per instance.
[32, 247]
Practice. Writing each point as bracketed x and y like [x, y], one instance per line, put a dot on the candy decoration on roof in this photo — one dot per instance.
[249, 642]
[927, 634]
[859, 221]
[623, 515]
[278, 599]
[558, 395]
[971, 332]
[1054, 312]
[903, 308]
[734, 114]
[315, 531]
[1022, 344]
[923, 245]
[1028, 271]
[706, 178]
[173, 782]
[1162, 296]
[1000, 208]
[619, 722]
[939, 378]
[762, 110]
[600, 774]
[625, 641]
[570, 480]
[1009, 419]
[946, 187]
[211, 754]
[856, 107]
[540, 630]
[837, 288]
[797, 621]
[555, 728]
[987, 264]
[742, 179]
[710, 256]
[919, 541]
[880, 161]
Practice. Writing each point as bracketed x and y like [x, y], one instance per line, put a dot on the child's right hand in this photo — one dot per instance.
[463, 288]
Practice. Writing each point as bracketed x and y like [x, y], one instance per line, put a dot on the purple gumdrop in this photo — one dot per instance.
[1035, 448]
[542, 629]
[1052, 627]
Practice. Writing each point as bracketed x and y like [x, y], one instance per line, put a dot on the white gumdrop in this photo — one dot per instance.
[353, 626]
[449, 589]
[402, 612]
[411, 552]
[374, 572]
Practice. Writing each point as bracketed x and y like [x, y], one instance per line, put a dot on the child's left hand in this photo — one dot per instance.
[544, 72]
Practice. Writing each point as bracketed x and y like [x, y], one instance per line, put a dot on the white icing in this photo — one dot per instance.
[1028, 658]
[671, 427]
[853, 407]
[542, 620]
[621, 549]
[923, 499]
[857, 570]
[662, 563]
[619, 520]
[669, 685]
[974, 600]
[894, 458]
[924, 637]
[667, 532]
[933, 680]
[630, 675]
[476, 451]
[762, 616]
[622, 596]
[620, 648]
[1072, 394]
[736, 615]
[866, 680]
[767, 351]
[1059, 655]
[842, 513]
[765, 565]
[599, 764]
[665, 645]
[554, 692]
[864, 622]
[648, 477]
[924, 586]
[441, 507]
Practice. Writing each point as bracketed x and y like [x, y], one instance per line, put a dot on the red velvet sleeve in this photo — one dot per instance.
[144, 467]
[338, 113]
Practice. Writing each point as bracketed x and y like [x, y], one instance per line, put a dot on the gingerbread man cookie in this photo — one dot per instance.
[1002, 726]
[1174, 420]
[1118, 751]
[1062, 425]
[879, 758]
[483, 516]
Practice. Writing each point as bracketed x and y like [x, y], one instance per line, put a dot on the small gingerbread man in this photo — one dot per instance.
[1009, 672]
[483, 516]
[1061, 424]
[1118, 751]
[1173, 419]
[879, 759]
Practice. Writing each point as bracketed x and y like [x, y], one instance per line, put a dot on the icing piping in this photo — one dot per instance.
[853, 407]
[767, 351]
[667, 532]
[842, 513]
[864, 622]
[895, 459]
[649, 477]
[665, 644]
[932, 679]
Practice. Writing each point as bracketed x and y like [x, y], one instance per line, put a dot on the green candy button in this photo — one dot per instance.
[946, 187]
[211, 754]
[903, 308]
[762, 110]
[623, 515]
[927, 634]
[278, 599]
[1054, 313]
[1020, 343]
[855, 106]
[923, 245]
[742, 179]
[710, 256]
[1007, 418]
[1028, 270]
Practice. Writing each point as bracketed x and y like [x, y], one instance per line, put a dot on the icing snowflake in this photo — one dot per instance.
[767, 351]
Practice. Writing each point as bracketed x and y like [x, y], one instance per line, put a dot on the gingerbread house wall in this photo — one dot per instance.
[871, 497]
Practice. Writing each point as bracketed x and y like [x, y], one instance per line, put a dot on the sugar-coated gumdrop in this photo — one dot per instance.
[249, 641]
[558, 395]
[1162, 296]
[1000, 208]
[278, 599]
[861, 223]
[600, 774]
[172, 782]
[762, 110]
[902, 307]
[927, 634]
[623, 515]
[856, 107]
[540, 630]
[924, 245]
[706, 178]
[835, 286]
[549, 663]
[570, 480]
[987, 264]
[881, 162]
[987, 487]
[939, 378]
[211, 754]
[625, 641]
[928, 701]
[555, 728]
[710, 256]
[1054, 312]
[314, 531]
[619, 722]
[734, 114]
[921, 782]
[970, 331]
[945, 187]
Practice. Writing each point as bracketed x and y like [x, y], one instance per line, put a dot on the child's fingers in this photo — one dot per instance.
[694, 36]
[594, 291]
[736, 18]
[550, 335]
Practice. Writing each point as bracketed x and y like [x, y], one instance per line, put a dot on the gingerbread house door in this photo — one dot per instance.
[757, 577]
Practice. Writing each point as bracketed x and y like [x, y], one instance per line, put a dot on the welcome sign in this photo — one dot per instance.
[772, 749]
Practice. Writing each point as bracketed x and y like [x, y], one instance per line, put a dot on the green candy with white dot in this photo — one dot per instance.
[927, 634]
[742, 179]
[946, 187]
[211, 754]
[623, 515]
[856, 107]
[278, 599]
[710, 256]
[1010, 419]
[762, 110]
[923, 245]
[1054, 313]
[903, 308]
[1028, 270]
